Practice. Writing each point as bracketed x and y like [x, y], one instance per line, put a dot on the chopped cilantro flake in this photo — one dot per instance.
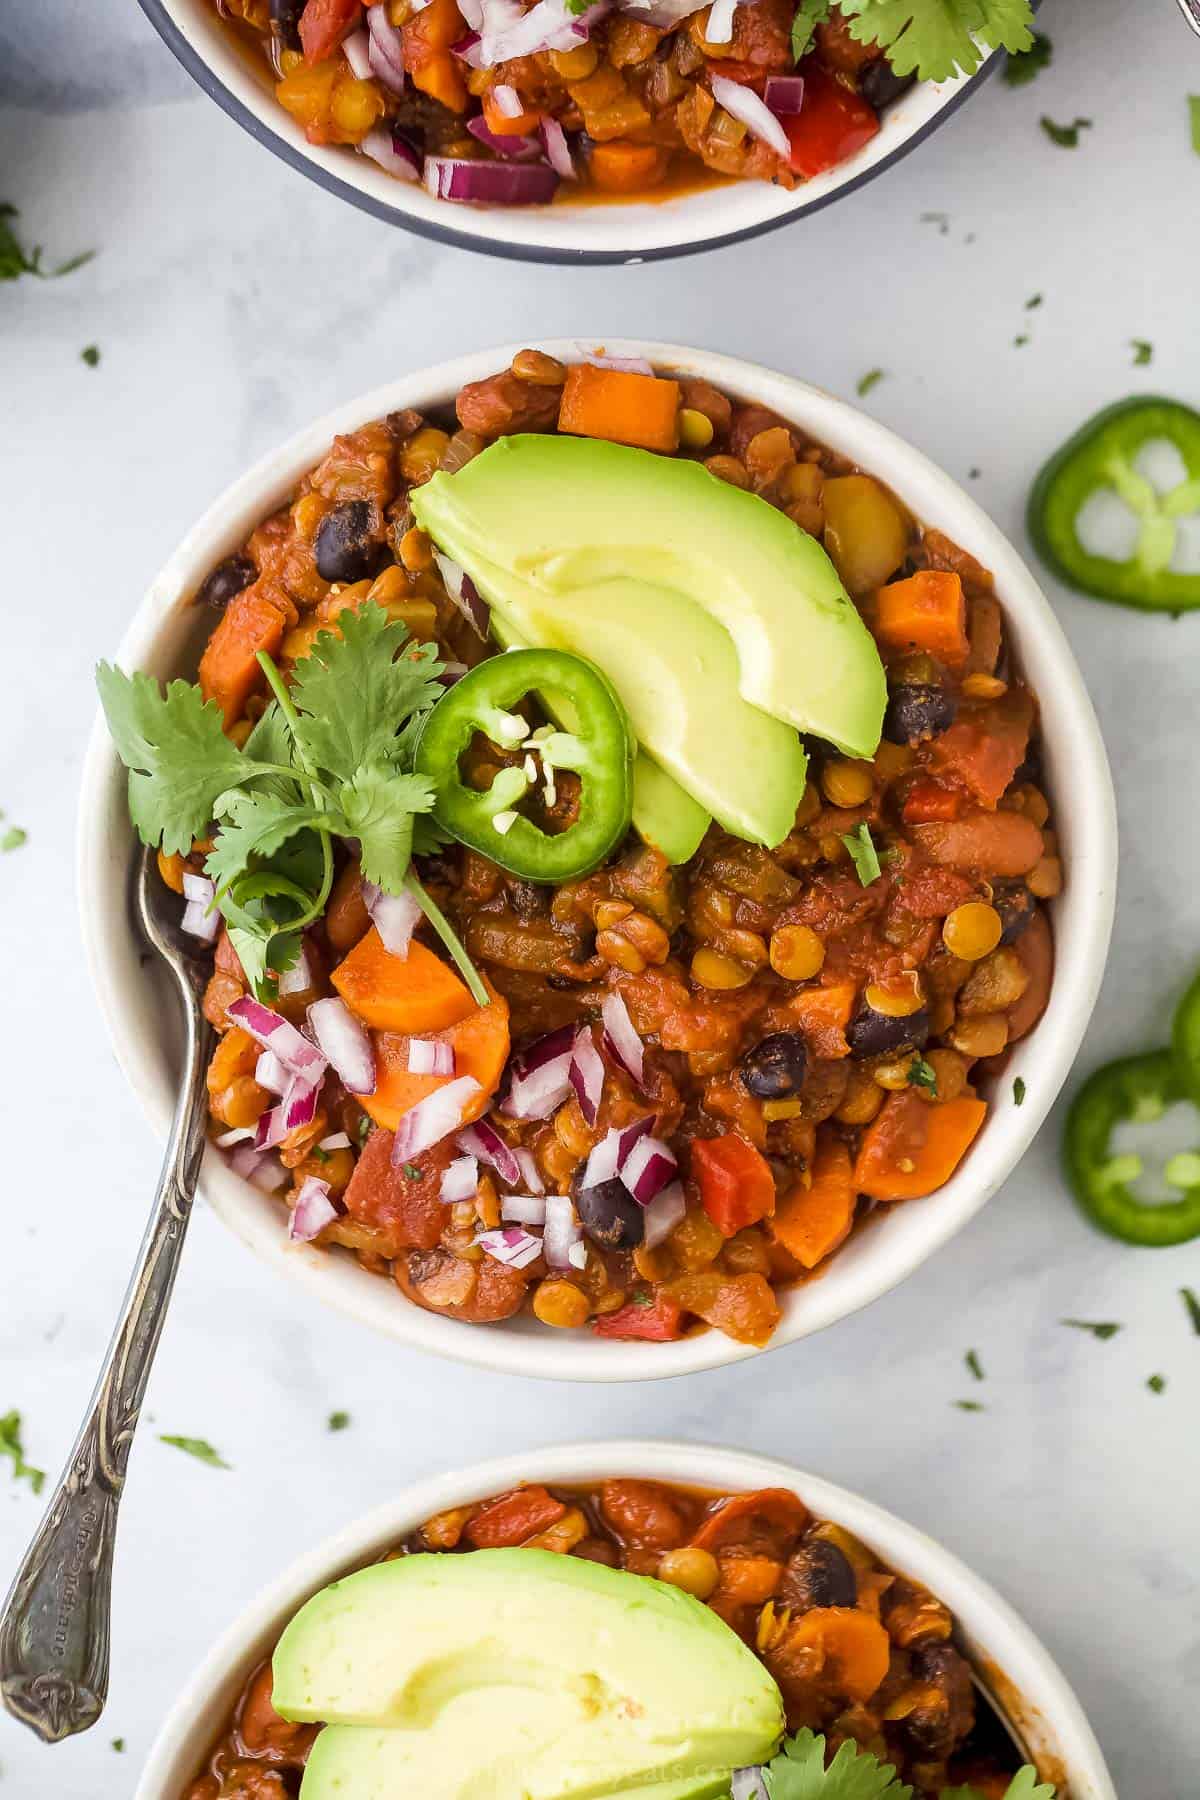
[641, 1298]
[1065, 136]
[13, 838]
[1099, 1328]
[1156, 1383]
[970, 1406]
[871, 379]
[1194, 114]
[863, 853]
[1021, 340]
[412, 1171]
[922, 1075]
[1019, 1091]
[808, 15]
[1033, 301]
[90, 354]
[974, 1365]
[1143, 352]
[940, 219]
[974, 474]
[1026, 65]
[1188, 1296]
[200, 1448]
[118, 1745]
[11, 1446]
[14, 261]
[338, 1421]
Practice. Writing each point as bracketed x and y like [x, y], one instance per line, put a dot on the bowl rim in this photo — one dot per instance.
[259, 123]
[1049, 1710]
[852, 1279]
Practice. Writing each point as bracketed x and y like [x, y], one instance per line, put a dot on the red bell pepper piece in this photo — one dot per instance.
[927, 801]
[736, 1185]
[657, 1323]
[831, 125]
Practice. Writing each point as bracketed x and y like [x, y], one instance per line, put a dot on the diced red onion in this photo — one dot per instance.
[506, 31]
[490, 183]
[540, 1077]
[562, 1231]
[270, 1073]
[510, 1245]
[432, 1118]
[484, 1141]
[631, 365]
[664, 14]
[522, 149]
[663, 1214]
[458, 583]
[629, 1135]
[784, 94]
[274, 1032]
[718, 27]
[345, 1043]
[297, 1109]
[394, 916]
[337, 1140]
[238, 1135]
[245, 1160]
[312, 1212]
[199, 922]
[608, 1156]
[524, 1209]
[299, 977]
[621, 1039]
[747, 1784]
[391, 151]
[357, 49]
[506, 100]
[387, 49]
[648, 1168]
[430, 1056]
[461, 1180]
[463, 46]
[531, 1175]
[587, 1074]
[269, 1176]
[558, 151]
[744, 104]
[577, 1255]
[198, 888]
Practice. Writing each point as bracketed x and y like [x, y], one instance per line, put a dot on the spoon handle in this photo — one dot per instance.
[54, 1631]
[1191, 12]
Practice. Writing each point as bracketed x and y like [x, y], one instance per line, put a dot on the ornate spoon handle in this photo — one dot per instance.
[54, 1631]
[1191, 12]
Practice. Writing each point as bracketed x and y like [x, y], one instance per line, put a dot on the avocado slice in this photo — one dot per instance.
[663, 814]
[519, 1675]
[563, 513]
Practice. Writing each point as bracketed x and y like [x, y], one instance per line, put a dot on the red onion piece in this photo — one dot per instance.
[297, 1109]
[312, 1212]
[465, 45]
[458, 583]
[199, 922]
[269, 1176]
[490, 183]
[718, 27]
[506, 100]
[387, 49]
[632, 365]
[484, 1141]
[461, 1180]
[540, 1076]
[558, 151]
[628, 1136]
[391, 152]
[784, 94]
[744, 104]
[238, 1135]
[665, 14]
[245, 1160]
[273, 1032]
[337, 1140]
[394, 916]
[648, 1168]
[299, 977]
[577, 1255]
[523, 1209]
[510, 1245]
[198, 888]
[432, 1118]
[601, 1165]
[430, 1056]
[270, 1073]
[663, 1214]
[620, 1038]
[344, 1041]
[357, 51]
[587, 1074]
[562, 1231]
[522, 149]
[531, 1175]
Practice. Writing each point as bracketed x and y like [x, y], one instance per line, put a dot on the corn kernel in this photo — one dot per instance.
[534, 366]
[984, 687]
[781, 1109]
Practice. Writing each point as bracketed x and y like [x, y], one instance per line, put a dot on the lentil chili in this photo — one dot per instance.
[802, 1046]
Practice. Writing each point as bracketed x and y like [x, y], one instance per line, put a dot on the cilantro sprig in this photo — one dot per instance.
[331, 757]
[798, 1772]
[16, 261]
[11, 1446]
[932, 39]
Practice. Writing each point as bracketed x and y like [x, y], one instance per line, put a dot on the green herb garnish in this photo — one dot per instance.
[1194, 115]
[338, 1421]
[798, 1772]
[807, 17]
[90, 354]
[1026, 65]
[200, 1448]
[922, 1075]
[330, 757]
[1034, 301]
[1143, 352]
[13, 838]
[936, 39]
[1021, 339]
[974, 1365]
[970, 1406]
[14, 261]
[413, 1171]
[118, 1745]
[1099, 1328]
[1156, 1383]
[1019, 1091]
[11, 1446]
[863, 853]
[1065, 136]
[1187, 1295]
[871, 379]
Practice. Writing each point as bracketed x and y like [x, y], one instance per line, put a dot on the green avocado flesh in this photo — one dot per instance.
[565, 514]
[520, 1675]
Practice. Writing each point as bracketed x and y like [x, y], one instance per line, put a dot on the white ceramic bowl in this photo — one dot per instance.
[592, 232]
[1033, 1688]
[165, 637]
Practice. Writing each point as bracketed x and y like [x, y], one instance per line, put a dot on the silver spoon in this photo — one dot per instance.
[54, 1631]
[1191, 12]
[985, 1692]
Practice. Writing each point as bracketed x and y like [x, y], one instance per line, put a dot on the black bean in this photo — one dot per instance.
[610, 1215]
[1016, 906]
[818, 1574]
[226, 580]
[346, 548]
[879, 83]
[775, 1068]
[285, 22]
[918, 710]
[873, 1033]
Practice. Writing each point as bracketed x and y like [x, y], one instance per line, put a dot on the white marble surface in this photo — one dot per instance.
[231, 300]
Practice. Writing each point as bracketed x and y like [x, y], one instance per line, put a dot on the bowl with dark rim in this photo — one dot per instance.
[164, 638]
[677, 224]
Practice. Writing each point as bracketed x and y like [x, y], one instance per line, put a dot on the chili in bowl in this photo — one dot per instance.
[678, 1034]
[747, 1615]
[560, 131]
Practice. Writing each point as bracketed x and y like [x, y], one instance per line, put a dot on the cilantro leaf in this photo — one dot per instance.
[354, 692]
[1099, 1328]
[90, 354]
[11, 1446]
[180, 762]
[799, 1773]
[809, 14]
[1194, 115]
[936, 39]
[1019, 1091]
[974, 1365]
[1023, 1786]
[14, 261]
[1026, 65]
[200, 1448]
[1065, 136]
[1143, 352]
[1192, 1306]
[13, 837]
[1156, 1383]
[378, 806]
[863, 853]
[922, 1075]
[866, 382]
[252, 824]
[338, 1421]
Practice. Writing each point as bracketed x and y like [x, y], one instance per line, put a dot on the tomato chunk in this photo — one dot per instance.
[511, 1518]
[323, 25]
[657, 1323]
[736, 1185]
[831, 125]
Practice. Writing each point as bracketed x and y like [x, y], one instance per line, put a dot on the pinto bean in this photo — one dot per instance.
[503, 403]
[1036, 951]
[479, 1293]
[985, 843]
[643, 1514]
[261, 1728]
